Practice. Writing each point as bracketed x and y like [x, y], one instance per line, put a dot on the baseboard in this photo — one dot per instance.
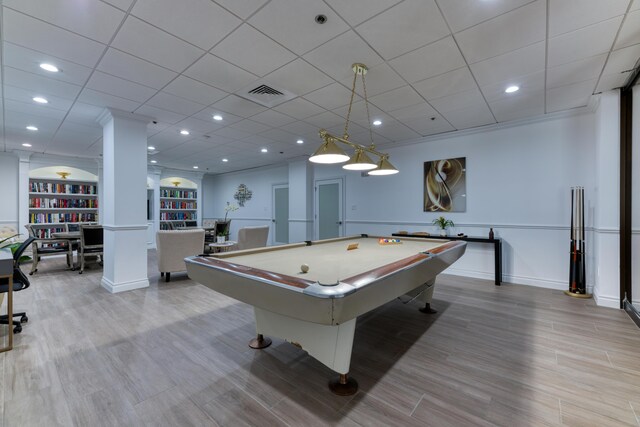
[606, 301]
[632, 312]
[506, 278]
[124, 286]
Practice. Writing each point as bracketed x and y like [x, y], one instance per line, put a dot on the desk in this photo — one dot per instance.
[497, 249]
[317, 310]
[6, 272]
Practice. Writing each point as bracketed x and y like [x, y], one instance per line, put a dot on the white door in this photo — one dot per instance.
[329, 211]
[280, 218]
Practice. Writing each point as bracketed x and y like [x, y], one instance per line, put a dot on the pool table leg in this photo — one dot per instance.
[343, 385]
[260, 342]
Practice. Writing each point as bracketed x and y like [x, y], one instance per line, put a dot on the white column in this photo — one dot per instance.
[300, 201]
[124, 139]
[154, 173]
[198, 182]
[100, 190]
[23, 190]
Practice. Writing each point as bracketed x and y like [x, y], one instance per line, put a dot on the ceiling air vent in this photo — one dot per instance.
[265, 94]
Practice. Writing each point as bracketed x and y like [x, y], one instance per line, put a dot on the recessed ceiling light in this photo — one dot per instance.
[195, 167]
[40, 100]
[512, 89]
[154, 161]
[217, 117]
[300, 141]
[26, 144]
[49, 67]
[184, 132]
[225, 160]
[264, 150]
[377, 122]
[151, 148]
[32, 128]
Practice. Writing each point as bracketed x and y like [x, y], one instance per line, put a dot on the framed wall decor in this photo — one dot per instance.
[445, 183]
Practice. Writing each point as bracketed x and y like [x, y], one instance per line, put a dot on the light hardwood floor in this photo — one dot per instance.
[176, 354]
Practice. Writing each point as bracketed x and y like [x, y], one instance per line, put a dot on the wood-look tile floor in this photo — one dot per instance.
[176, 354]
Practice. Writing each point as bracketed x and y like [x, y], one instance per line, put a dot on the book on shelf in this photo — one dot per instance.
[178, 194]
[56, 203]
[49, 218]
[55, 188]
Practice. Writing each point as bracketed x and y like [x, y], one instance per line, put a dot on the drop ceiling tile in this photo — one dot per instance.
[208, 113]
[249, 143]
[84, 113]
[229, 132]
[622, 60]
[630, 31]
[273, 118]
[26, 95]
[357, 11]
[325, 120]
[471, 98]
[278, 135]
[398, 98]
[220, 74]
[431, 60]
[200, 22]
[129, 67]
[198, 126]
[173, 103]
[461, 14]
[32, 108]
[160, 114]
[299, 108]
[300, 129]
[330, 97]
[422, 111]
[250, 126]
[421, 21]
[240, 107]
[570, 96]
[635, 5]
[243, 9]
[513, 30]
[295, 28]
[93, 19]
[577, 71]
[194, 91]
[119, 87]
[583, 43]
[611, 81]
[450, 83]
[101, 99]
[512, 108]
[40, 84]
[34, 34]
[396, 131]
[147, 42]
[253, 51]
[529, 84]
[359, 113]
[345, 50]
[470, 117]
[569, 15]
[379, 79]
[512, 64]
[29, 60]
[430, 127]
[18, 121]
[122, 4]
[299, 77]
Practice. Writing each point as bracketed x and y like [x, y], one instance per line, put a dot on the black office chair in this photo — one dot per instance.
[20, 282]
[91, 243]
[191, 223]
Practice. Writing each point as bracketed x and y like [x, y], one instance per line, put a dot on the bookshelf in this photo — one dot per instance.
[54, 202]
[177, 204]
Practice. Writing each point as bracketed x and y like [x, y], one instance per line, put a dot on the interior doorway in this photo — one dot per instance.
[329, 221]
[280, 218]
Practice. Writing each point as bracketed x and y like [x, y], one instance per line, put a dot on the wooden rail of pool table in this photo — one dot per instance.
[497, 248]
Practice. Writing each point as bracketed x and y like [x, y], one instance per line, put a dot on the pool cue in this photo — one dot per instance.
[572, 250]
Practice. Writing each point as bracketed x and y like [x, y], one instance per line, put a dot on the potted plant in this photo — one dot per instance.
[222, 235]
[442, 224]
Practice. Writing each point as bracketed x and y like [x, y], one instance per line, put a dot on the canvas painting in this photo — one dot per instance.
[445, 183]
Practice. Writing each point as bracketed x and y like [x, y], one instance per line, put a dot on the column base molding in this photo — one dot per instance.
[124, 286]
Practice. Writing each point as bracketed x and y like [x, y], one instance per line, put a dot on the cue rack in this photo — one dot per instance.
[577, 275]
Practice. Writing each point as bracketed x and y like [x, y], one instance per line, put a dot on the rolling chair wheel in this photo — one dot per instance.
[17, 329]
[24, 319]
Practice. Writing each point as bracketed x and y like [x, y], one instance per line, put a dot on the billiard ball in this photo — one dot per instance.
[304, 268]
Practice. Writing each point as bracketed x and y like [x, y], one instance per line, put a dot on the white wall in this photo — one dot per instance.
[635, 199]
[219, 189]
[8, 194]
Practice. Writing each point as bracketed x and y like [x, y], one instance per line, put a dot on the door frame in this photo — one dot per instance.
[341, 206]
[274, 187]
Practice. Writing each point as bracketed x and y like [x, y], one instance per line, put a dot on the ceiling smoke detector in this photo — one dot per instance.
[321, 19]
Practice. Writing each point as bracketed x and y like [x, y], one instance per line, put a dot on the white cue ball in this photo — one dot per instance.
[304, 268]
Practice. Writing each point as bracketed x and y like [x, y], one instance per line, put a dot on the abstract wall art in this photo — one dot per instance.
[445, 183]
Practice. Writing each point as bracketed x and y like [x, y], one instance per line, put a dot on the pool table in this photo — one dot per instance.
[317, 310]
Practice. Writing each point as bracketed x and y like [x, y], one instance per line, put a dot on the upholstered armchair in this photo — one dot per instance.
[174, 246]
[252, 237]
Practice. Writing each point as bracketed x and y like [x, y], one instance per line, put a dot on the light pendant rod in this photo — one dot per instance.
[324, 135]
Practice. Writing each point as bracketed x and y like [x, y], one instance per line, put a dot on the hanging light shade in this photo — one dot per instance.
[360, 162]
[384, 168]
[329, 153]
